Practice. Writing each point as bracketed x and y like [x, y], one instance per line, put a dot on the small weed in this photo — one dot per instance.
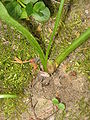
[60, 105]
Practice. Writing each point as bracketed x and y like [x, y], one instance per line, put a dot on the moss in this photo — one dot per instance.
[14, 77]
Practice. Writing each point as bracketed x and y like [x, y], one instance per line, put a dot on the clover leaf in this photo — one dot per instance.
[61, 106]
[14, 9]
[29, 8]
[28, 1]
[55, 101]
[40, 12]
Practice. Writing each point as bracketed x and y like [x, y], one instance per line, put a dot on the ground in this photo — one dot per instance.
[70, 82]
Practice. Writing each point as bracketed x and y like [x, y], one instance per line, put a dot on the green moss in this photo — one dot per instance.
[14, 77]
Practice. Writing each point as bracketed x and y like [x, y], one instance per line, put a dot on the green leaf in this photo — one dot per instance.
[33, 1]
[6, 1]
[61, 106]
[39, 6]
[40, 12]
[55, 101]
[28, 1]
[24, 14]
[29, 9]
[7, 96]
[14, 9]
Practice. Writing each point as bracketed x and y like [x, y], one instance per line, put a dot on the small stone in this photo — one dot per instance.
[86, 11]
[51, 118]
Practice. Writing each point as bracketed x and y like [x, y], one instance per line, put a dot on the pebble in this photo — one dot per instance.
[52, 118]
[86, 11]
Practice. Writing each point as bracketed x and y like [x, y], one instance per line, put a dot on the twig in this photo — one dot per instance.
[36, 118]
[50, 115]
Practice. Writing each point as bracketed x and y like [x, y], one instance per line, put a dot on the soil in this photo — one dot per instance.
[71, 86]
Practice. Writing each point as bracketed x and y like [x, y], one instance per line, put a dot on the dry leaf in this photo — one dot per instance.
[18, 60]
[32, 62]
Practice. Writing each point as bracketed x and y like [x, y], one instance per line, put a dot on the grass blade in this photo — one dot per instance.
[9, 20]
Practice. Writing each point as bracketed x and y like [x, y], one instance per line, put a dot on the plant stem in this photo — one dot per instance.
[58, 17]
[76, 43]
[21, 3]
